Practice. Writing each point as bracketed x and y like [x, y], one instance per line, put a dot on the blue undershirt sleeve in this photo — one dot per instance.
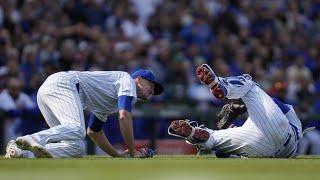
[95, 124]
[125, 102]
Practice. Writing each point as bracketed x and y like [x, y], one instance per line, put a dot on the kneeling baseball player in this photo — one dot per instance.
[64, 96]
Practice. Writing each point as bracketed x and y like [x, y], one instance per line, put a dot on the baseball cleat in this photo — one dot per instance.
[28, 143]
[206, 75]
[12, 150]
[184, 129]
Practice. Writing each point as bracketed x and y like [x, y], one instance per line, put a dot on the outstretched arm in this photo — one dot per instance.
[126, 128]
[100, 139]
[96, 134]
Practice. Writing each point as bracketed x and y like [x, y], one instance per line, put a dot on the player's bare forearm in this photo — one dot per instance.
[100, 139]
[126, 128]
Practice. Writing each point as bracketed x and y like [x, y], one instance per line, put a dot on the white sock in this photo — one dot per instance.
[211, 141]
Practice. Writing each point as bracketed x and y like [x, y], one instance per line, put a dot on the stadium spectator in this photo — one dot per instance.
[16, 104]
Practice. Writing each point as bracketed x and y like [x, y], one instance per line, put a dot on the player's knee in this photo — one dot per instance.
[79, 131]
[82, 133]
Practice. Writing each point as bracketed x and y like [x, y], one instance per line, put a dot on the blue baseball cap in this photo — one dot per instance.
[148, 75]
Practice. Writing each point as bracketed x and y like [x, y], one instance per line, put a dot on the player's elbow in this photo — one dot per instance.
[124, 114]
[91, 133]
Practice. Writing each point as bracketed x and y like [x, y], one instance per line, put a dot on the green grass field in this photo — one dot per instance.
[160, 167]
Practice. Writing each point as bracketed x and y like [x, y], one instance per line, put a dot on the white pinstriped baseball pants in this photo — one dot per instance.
[266, 133]
[60, 104]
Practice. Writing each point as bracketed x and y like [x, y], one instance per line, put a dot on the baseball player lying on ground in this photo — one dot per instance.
[272, 129]
[62, 99]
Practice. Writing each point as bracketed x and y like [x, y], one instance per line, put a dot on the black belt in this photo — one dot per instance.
[78, 88]
[287, 141]
[295, 131]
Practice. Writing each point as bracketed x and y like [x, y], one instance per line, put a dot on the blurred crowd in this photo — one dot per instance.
[276, 41]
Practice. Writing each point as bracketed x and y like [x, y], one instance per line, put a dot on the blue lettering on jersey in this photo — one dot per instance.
[236, 82]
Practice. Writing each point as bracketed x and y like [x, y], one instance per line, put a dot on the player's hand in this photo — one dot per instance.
[125, 153]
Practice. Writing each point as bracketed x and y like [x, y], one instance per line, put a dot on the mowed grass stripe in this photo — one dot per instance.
[160, 167]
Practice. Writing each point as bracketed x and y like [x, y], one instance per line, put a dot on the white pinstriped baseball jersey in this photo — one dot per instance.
[62, 105]
[266, 133]
[99, 90]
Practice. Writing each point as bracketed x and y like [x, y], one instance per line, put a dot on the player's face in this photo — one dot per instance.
[145, 89]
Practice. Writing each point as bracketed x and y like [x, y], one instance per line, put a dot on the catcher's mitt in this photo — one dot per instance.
[228, 113]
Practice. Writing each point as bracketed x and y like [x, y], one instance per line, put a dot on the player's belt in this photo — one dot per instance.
[295, 130]
[78, 88]
[288, 140]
